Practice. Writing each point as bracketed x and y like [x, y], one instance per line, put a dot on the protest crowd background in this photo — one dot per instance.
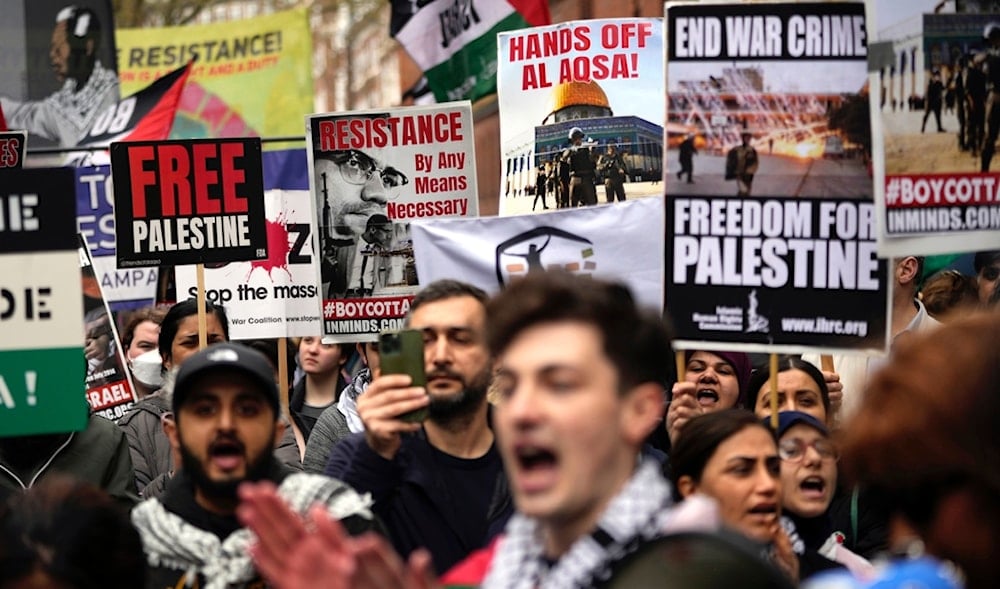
[329, 338]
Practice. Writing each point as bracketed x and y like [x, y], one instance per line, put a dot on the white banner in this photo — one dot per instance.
[276, 297]
[622, 242]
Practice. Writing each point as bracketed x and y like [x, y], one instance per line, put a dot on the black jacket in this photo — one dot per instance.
[412, 499]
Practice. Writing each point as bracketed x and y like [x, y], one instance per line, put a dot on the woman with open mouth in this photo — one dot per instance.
[712, 381]
[808, 480]
[733, 458]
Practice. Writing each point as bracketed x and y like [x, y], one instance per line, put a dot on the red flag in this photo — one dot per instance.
[146, 115]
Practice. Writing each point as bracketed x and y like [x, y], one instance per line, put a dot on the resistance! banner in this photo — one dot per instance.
[252, 77]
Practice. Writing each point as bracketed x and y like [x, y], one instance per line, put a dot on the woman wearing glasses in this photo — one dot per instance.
[861, 516]
[808, 480]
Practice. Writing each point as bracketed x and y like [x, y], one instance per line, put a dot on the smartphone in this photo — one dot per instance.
[402, 352]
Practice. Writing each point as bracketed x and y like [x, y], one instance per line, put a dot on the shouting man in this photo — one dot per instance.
[226, 422]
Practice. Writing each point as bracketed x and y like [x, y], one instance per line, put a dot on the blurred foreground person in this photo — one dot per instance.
[928, 435]
[68, 534]
[580, 377]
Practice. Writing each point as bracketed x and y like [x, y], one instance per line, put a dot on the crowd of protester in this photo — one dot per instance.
[561, 449]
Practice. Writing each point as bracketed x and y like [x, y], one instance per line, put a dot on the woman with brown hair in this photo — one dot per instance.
[928, 435]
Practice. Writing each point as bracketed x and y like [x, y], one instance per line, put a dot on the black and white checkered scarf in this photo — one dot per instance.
[637, 514]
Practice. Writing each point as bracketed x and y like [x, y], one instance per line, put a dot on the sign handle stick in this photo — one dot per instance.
[283, 375]
[773, 385]
[681, 365]
[202, 316]
[826, 363]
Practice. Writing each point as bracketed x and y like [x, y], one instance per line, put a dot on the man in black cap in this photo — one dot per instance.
[226, 422]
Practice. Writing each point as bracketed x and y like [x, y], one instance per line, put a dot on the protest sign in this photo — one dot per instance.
[604, 77]
[12, 145]
[108, 384]
[371, 173]
[277, 296]
[622, 243]
[57, 72]
[122, 289]
[188, 202]
[934, 133]
[252, 77]
[41, 353]
[789, 263]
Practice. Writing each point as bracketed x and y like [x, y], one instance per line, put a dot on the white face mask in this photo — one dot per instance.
[147, 369]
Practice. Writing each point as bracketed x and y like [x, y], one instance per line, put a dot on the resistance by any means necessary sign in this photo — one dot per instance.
[188, 202]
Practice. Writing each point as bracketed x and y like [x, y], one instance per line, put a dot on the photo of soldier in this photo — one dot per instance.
[933, 101]
[541, 188]
[686, 157]
[582, 167]
[351, 187]
[742, 163]
[614, 171]
[87, 86]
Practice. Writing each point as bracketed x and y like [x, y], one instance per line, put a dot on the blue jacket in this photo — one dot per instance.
[412, 499]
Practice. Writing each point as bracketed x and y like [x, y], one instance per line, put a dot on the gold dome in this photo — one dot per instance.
[578, 94]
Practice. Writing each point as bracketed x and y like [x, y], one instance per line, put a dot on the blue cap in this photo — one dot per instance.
[787, 419]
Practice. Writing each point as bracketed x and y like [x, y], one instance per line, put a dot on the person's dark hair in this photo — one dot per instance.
[926, 428]
[172, 321]
[73, 532]
[269, 347]
[785, 363]
[985, 258]
[136, 317]
[701, 437]
[440, 290]
[636, 342]
[82, 25]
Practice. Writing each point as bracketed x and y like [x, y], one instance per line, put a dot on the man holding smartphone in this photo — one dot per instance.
[438, 484]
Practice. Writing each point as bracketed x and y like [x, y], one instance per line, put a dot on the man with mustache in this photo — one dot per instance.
[351, 187]
[437, 484]
[226, 422]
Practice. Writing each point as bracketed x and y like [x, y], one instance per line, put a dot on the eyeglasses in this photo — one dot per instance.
[794, 449]
[358, 168]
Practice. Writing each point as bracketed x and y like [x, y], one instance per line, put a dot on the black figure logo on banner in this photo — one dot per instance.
[522, 253]
[756, 323]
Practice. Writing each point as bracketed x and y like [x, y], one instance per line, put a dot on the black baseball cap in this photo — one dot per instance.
[231, 357]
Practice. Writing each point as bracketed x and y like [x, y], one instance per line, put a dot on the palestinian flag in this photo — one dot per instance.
[455, 41]
[146, 115]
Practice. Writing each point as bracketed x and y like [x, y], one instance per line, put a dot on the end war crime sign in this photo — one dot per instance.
[188, 202]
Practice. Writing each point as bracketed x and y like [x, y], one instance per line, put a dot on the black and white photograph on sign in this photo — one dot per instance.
[58, 73]
[371, 174]
[193, 201]
[363, 251]
[770, 219]
[768, 99]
